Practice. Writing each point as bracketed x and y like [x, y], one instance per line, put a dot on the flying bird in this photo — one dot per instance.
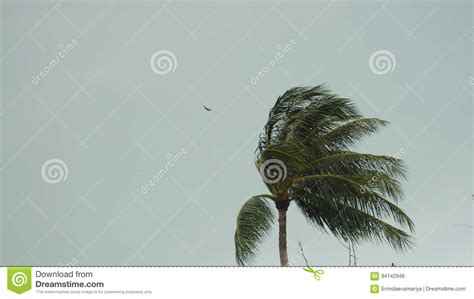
[206, 108]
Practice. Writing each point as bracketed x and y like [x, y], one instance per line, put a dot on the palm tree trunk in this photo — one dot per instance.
[282, 209]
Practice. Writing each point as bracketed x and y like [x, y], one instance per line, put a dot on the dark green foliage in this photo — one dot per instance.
[311, 132]
[254, 221]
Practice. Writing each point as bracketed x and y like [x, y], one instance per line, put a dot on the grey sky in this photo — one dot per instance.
[116, 124]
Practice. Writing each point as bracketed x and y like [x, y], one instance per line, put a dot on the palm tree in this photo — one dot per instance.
[304, 156]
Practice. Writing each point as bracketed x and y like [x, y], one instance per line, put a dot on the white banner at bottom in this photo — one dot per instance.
[236, 282]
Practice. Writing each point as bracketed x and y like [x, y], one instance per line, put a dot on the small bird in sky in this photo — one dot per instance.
[206, 108]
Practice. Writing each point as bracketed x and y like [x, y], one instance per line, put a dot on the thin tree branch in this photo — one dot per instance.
[302, 253]
[354, 255]
[349, 249]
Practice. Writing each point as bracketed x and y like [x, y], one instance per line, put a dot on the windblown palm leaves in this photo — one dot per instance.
[305, 156]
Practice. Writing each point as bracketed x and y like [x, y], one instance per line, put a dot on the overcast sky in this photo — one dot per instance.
[113, 121]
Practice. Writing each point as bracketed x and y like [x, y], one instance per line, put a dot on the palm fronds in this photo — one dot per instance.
[254, 222]
[310, 132]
